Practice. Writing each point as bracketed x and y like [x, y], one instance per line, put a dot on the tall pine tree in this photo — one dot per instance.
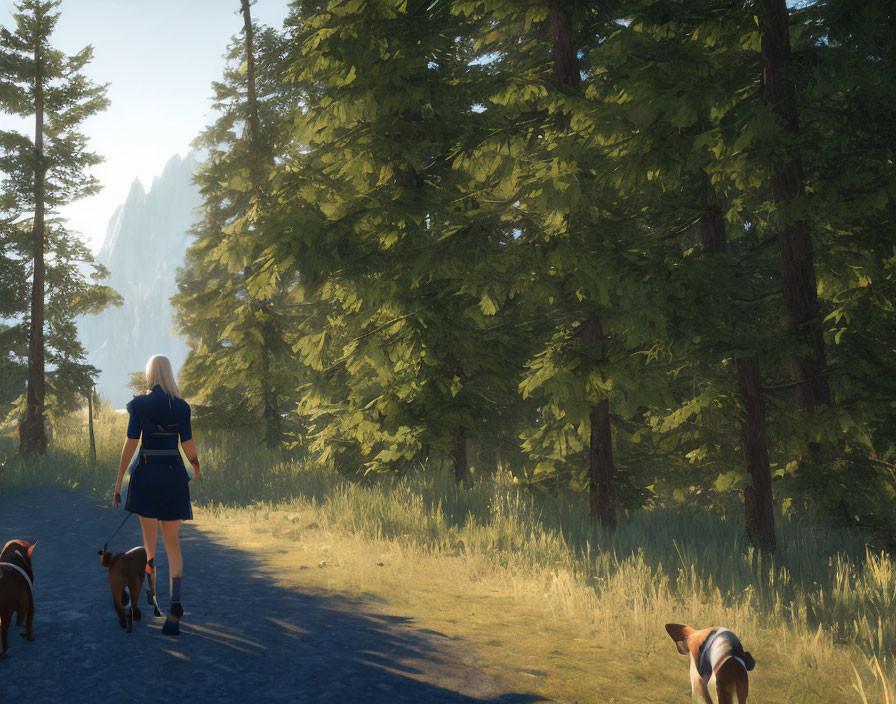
[412, 349]
[236, 313]
[44, 172]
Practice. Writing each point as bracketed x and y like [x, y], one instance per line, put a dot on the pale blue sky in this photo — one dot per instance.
[160, 57]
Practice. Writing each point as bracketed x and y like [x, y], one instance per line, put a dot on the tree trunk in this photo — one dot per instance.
[798, 284]
[271, 409]
[601, 490]
[760, 518]
[32, 434]
[91, 438]
[758, 504]
[712, 233]
[251, 100]
[272, 421]
[566, 64]
[459, 456]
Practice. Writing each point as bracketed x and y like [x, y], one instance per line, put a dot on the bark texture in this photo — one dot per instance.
[798, 283]
[601, 468]
[32, 431]
[92, 439]
[758, 502]
[271, 408]
[459, 457]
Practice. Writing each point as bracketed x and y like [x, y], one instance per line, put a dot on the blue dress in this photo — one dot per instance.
[159, 483]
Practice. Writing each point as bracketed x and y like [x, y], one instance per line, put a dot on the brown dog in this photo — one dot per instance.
[16, 578]
[718, 661]
[126, 570]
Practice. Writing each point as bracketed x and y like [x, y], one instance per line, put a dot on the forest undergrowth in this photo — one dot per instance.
[822, 613]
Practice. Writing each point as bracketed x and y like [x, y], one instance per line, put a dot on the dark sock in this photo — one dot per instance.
[175, 589]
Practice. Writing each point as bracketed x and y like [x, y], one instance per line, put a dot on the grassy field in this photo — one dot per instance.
[538, 593]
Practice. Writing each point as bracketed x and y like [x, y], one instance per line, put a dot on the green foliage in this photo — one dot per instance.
[27, 60]
[404, 264]
[137, 383]
[414, 338]
[432, 218]
[236, 312]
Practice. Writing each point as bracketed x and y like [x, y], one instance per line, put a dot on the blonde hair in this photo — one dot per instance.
[158, 371]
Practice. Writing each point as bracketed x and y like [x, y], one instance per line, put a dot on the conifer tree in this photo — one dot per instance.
[236, 313]
[798, 280]
[591, 259]
[843, 56]
[411, 355]
[668, 126]
[44, 172]
[13, 306]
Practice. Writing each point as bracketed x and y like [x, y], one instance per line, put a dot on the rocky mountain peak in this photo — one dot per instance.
[146, 238]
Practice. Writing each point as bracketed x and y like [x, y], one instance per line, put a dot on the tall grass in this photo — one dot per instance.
[824, 587]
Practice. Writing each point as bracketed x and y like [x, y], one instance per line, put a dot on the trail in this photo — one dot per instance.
[242, 638]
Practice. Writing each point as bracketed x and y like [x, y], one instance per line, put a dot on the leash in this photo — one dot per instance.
[130, 513]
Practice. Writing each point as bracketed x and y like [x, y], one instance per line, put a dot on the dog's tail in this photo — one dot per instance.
[749, 662]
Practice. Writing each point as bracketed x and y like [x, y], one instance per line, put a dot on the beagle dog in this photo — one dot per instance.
[718, 662]
[126, 570]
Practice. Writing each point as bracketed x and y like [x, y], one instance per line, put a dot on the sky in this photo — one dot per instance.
[160, 58]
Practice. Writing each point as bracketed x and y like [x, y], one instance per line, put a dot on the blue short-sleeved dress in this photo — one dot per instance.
[159, 483]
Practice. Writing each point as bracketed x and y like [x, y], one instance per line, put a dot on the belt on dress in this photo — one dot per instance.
[161, 452]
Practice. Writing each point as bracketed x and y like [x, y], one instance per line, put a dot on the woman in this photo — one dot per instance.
[158, 490]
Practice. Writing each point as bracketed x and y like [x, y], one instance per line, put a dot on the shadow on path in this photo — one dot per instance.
[241, 636]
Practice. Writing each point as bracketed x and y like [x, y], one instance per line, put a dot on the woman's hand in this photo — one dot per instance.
[116, 496]
[194, 463]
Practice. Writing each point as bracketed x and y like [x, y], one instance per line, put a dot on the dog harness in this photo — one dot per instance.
[23, 573]
[705, 666]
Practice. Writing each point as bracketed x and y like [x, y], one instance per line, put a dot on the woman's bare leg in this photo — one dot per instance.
[172, 549]
[150, 528]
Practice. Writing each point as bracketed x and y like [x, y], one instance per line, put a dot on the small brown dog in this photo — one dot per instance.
[16, 595]
[126, 570]
[718, 661]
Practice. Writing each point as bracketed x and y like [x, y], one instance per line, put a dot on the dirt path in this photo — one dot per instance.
[241, 637]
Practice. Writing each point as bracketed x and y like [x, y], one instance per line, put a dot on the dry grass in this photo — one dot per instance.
[542, 629]
[538, 592]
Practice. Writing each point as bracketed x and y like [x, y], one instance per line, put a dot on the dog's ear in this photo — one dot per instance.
[679, 633]
[31, 549]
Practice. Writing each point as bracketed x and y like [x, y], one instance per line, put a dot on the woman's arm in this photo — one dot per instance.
[127, 453]
[191, 453]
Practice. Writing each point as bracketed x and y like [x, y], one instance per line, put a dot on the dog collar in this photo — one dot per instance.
[23, 573]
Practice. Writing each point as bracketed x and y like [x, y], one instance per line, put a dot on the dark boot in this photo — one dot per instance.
[171, 627]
